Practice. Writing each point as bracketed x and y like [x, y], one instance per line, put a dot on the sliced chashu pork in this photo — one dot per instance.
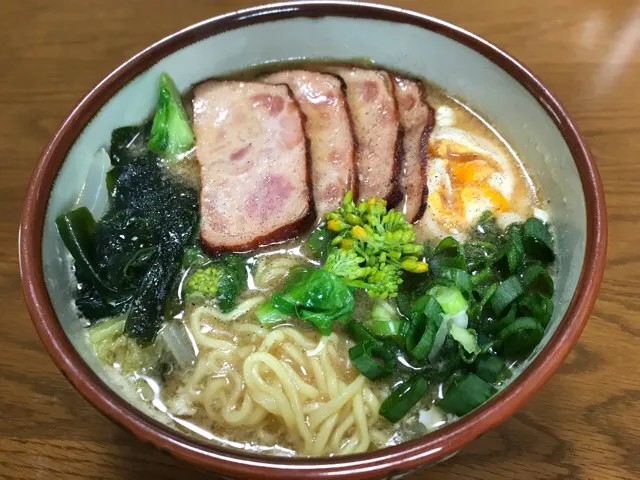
[417, 120]
[254, 167]
[370, 95]
[322, 100]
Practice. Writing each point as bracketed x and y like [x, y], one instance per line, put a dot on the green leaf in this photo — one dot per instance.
[448, 253]
[316, 296]
[171, 133]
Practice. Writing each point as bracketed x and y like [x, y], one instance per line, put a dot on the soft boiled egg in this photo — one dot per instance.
[467, 175]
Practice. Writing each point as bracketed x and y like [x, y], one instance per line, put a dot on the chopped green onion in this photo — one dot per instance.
[483, 277]
[491, 368]
[359, 333]
[439, 339]
[515, 248]
[421, 338]
[450, 299]
[319, 241]
[372, 359]
[536, 278]
[520, 337]
[383, 310]
[448, 253]
[468, 340]
[538, 306]
[503, 322]
[466, 395]
[403, 398]
[507, 292]
[384, 328]
[460, 278]
[537, 240]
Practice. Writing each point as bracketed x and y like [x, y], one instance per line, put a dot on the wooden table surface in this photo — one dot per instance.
[584, 424]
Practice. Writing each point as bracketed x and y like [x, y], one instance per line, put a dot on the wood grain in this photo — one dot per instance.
[585, 424]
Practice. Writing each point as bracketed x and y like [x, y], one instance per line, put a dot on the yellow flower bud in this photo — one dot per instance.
[359, 232]
[335, 225]
[414, 266]
[346, 243]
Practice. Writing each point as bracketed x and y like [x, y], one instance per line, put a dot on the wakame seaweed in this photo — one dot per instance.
[130, 257]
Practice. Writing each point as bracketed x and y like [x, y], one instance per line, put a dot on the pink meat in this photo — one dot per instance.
[322, 100]
[417, 120]
[254, 168]
[370, 95]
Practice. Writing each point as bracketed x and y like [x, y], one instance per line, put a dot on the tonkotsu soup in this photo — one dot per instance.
[311, 259]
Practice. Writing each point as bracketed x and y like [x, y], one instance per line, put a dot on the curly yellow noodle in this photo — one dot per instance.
[284, 383]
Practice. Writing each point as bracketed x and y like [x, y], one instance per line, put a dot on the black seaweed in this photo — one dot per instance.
[130, 257]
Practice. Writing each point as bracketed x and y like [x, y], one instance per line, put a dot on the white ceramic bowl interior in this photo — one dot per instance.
[461, 71]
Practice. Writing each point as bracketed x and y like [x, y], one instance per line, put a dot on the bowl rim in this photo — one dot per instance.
[433, 447]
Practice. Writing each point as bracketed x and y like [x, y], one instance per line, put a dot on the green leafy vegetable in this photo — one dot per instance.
[535, 278]
[126, 262]
[448, 253]
[128, 143]
[317, 296]
[536, 305]
[171, 133]
[384, 320]
[424, 326]
[492, 294]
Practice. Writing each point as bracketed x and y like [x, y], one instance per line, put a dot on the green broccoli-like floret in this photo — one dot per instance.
[347, 264]
[171, 134]
[204, 281]
[384, 281]
[221, 280]
[114, 348]
[373, 246]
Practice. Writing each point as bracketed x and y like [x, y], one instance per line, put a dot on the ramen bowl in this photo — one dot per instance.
[515, 102]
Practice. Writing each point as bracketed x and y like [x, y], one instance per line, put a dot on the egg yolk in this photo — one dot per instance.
[471, 193]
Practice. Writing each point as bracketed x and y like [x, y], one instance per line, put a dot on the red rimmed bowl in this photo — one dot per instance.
[505, 92]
